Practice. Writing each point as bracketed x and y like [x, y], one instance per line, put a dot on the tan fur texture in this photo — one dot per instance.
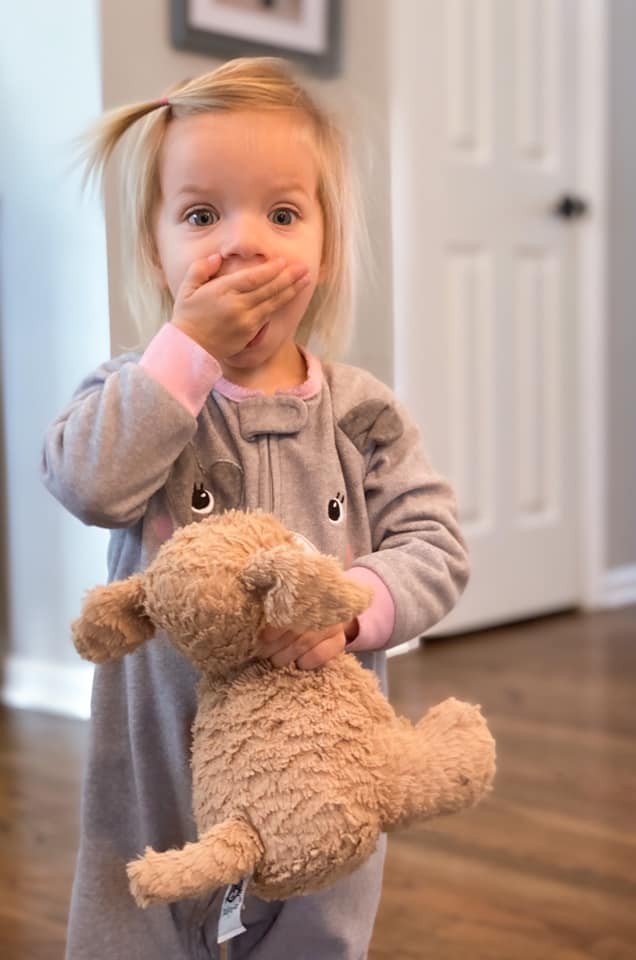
[113, 621]
[295, 773]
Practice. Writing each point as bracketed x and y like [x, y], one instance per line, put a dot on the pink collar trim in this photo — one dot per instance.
[304, 391]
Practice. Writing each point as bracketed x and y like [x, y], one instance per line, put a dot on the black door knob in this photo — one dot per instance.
[569, 206]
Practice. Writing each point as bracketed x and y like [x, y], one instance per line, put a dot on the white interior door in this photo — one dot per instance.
[484, 145]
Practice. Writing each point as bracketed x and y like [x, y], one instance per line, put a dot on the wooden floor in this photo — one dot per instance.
[544, 870]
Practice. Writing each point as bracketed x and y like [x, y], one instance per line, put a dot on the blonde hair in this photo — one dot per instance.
[262, 83]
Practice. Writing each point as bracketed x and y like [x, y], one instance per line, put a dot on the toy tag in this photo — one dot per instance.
[230, 919]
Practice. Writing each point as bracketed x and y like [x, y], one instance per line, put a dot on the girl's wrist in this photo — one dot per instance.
[351, 630]
[187, 329]
[182, 366]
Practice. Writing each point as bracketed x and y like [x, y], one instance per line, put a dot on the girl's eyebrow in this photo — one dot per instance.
[282, 186]
[191, 189]
[290, 186]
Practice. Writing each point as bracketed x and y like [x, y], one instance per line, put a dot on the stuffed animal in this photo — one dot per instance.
[295, 773]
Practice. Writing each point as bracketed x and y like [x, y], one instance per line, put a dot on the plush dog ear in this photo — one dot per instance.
[304, 589]
[113, 621]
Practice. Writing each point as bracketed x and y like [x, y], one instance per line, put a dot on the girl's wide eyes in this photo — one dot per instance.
[283, 217]
[202, 218]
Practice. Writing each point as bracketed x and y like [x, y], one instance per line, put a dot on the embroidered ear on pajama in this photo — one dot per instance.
[371, 422]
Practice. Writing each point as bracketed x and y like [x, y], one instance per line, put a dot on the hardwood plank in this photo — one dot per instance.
[41, 759]
[543, 870]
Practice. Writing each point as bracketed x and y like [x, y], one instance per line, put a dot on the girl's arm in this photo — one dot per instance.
[114, 445]
[419, 565]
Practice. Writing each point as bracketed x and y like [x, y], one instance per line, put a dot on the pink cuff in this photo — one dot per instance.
[184, 368]
[378, 620]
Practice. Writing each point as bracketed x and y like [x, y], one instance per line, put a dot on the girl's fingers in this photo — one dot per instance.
[279, 289]
[276, 642]
[264, 309]
[202, 271]
[282, 658]
[251, 278]
[283, 649]
[267, 307]
[198, 273]
[269, 634]
[289, 293]
[326, 650]
[294, 647]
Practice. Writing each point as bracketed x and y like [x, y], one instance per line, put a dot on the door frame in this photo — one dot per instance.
[593, 106]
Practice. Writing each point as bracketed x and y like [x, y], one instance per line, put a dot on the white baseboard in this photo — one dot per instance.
[65, 688]
[47, 687]
[403, 648]
[619, 587]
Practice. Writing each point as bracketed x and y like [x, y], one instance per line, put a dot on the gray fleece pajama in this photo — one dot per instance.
[148, 444]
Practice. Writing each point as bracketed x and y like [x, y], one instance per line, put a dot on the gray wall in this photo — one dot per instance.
[139, 63]
[53, 312]
[621, 507]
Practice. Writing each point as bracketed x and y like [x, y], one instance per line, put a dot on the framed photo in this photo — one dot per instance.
[307, 31]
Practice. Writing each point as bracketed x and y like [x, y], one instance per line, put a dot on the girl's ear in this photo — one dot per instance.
[323, 271]
[159, 276]
[158, 271]
[113, 621]
[154, 260]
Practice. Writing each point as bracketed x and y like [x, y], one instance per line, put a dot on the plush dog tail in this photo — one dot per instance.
[221, 856]
[445, 764]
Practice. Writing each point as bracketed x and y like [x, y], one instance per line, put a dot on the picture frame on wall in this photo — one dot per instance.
[307, 31]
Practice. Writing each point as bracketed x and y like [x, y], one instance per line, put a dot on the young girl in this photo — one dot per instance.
[240, 219]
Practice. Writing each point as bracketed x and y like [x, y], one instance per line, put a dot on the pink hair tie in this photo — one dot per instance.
[164, 102]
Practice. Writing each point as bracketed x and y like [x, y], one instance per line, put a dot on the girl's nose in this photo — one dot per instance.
[242, 237]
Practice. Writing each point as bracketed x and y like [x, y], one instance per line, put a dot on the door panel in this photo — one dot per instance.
[483, 144]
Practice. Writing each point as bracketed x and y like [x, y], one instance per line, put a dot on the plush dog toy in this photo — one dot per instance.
[294, 773]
